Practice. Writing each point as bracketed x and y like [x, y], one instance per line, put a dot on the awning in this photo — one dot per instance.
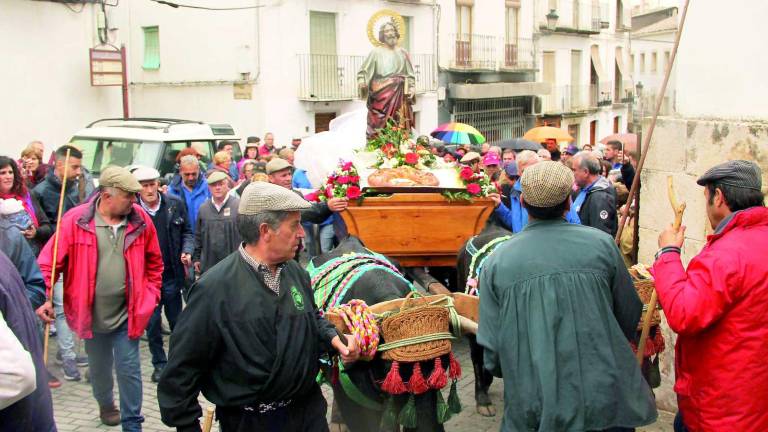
[512, 3]
[625, 74]
[498, 90]
[597, 64]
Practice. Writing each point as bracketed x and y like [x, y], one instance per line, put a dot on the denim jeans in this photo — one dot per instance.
[310, 246]
[108, 349]
[170, 299]
[678, 425]
[64, 337]
[327, 234]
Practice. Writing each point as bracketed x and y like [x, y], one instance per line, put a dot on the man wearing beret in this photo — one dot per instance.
[251, 336]
[557, 312]
[216, 234]
[177, 242]
[719, 306]
[109, 257]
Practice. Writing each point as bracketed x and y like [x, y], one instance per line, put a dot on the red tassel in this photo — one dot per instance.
[454, 370]
[393, 383]
[417, 384]
[659, 341]
[437, 378]
[335, 375]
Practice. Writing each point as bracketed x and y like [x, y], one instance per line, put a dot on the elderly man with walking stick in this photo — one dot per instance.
[109, 256]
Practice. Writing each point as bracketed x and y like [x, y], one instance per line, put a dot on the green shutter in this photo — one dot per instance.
[151, 48]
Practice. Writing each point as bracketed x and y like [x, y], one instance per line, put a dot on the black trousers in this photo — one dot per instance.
[305, 414]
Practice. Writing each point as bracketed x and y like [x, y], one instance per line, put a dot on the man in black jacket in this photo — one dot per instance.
[596, 200]
[251, 336]
[169, 215]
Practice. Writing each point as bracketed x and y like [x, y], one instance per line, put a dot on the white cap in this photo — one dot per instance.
[143, 173]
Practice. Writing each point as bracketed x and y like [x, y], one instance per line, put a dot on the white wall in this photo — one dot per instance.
[47, 93]
[722, 59]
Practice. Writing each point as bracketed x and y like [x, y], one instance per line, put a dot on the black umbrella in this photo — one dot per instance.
[518, 144]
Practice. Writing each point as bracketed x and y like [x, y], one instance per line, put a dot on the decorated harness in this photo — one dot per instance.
[478, 259]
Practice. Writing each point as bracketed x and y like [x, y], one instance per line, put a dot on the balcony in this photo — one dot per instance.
[490, 53]
[584, 17]
[624, 92]
[575, 99]
[330, 77]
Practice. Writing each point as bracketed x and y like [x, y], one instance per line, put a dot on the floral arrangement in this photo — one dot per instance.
[394, 148]
[477, 185]
[344, 182]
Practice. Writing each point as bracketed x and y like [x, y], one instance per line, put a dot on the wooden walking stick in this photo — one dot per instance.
[49, 291]
[208, 419]
[678, 209]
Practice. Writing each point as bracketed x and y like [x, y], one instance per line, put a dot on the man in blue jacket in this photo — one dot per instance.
[169, 215]
[191, 187]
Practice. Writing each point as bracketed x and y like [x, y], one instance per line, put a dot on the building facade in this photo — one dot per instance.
[653, 35]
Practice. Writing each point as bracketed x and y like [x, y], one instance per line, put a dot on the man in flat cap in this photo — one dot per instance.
[472, 160]
[280, 172]
[109, 257]
[177, 242]
[216, 234]
[557, 312]
[251, 336]
[719, 306]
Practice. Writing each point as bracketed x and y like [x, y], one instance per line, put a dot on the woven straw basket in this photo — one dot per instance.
[416, 318]
[645, 289]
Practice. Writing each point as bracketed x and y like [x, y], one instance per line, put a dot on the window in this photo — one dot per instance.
[632, 63]
[405, 40]
[654, 60]
[512, 24]
[666, 58]
[463, 22]
[101, 152]
[151, 48]
[642, 63]
[619, 15]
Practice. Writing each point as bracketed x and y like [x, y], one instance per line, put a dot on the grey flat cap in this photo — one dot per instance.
[546, 184]
[259, 197]
[737, 173]
[144, 173]
[215, 177]
[277, 164]
[119, 177]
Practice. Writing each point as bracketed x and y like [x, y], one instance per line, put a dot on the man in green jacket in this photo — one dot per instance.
[557, 311]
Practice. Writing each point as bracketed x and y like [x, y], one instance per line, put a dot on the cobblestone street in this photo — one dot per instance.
[76, 410]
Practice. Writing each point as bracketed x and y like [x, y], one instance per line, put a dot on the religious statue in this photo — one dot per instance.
[386, 78]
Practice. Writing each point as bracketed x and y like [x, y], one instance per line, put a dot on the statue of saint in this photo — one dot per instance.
[387, 80]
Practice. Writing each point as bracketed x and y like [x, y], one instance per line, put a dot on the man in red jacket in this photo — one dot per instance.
[719, 306]
[110, 258]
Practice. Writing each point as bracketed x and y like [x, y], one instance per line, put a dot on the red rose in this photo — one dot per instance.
[329, 191]
[347, 166]
[466, 173]
[353, 192]
[343, 179]
[411, 158]
[312, 196]
[473, 189]
[354, 179]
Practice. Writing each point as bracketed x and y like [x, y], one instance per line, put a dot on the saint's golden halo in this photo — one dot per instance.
[380, 18]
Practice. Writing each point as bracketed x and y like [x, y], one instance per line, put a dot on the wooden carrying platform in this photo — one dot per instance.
[417, 229]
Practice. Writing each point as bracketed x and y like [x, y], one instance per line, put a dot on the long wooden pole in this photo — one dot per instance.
[678, 209]
[48, 292]
[208, 419]
[646, 145]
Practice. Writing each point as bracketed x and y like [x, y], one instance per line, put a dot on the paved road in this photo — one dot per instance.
[76, 410]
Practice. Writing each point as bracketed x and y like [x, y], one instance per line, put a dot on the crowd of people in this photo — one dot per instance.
[136, 248]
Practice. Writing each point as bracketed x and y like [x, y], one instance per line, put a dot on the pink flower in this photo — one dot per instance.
[343, 179]
[411, 158]
[473, 189]
[353, 192]
[346, 166]
[354, 179]
[466, 173]
[329, 191]
[312, 196]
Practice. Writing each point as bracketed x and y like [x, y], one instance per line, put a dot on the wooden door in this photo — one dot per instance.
[592, 131]
[323, 120]
[616, 123]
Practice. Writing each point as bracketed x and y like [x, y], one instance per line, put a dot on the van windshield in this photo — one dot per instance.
[98, 153]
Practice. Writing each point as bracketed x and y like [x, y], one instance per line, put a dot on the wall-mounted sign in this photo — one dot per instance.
[106, 67]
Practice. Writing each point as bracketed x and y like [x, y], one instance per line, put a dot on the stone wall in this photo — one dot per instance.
[685, 149]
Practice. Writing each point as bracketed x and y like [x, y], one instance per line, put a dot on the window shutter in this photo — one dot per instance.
[151, 48]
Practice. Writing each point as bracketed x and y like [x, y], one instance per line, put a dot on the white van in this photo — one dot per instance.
[153, 142]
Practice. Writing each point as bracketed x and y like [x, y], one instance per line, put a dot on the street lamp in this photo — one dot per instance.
[552, 20]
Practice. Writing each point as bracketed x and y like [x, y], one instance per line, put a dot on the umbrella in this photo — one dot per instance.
[458, 133]
[543, 133]
[518, 144]
[628, 139]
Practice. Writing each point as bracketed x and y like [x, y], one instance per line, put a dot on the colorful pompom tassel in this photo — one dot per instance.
[443, 413]
[437, 378]
[454, 404]
[417, 383]
[408, 414]
[454, 371]
[393, 383]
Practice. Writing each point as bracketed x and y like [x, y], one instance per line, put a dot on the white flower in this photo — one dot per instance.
[404, 148]
[420, 166]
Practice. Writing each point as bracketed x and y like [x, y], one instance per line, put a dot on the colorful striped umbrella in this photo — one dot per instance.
[458, 133]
